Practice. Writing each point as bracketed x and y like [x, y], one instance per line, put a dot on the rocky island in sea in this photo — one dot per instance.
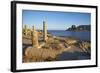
[42, 46]
[79, 28]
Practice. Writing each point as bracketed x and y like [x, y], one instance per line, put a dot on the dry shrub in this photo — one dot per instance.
[39, 55]
[46, 46]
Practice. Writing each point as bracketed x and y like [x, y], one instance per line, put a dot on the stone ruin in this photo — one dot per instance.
[35, 42]
[35, 38]
[44, 31]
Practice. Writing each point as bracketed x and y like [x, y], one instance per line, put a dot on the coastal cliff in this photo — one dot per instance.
[79, 28]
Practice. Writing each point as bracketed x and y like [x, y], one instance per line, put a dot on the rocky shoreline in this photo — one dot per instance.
[53, 48]
[41, 46]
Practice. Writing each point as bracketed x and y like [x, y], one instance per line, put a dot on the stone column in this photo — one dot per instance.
[44, 31]
[33, 29]
[35, 38]
[25, 29]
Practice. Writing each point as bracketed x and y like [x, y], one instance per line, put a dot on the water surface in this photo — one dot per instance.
[82, 35]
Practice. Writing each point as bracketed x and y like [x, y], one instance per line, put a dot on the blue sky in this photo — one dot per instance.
[55, 20]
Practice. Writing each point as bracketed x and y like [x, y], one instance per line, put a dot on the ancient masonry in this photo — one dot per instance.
[35, 38]
[25, 31]
[35, 42]
[44, 31]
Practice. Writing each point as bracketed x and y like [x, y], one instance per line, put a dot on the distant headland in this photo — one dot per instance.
[79, 28]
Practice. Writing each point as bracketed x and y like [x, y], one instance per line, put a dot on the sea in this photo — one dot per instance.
[81, 35]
